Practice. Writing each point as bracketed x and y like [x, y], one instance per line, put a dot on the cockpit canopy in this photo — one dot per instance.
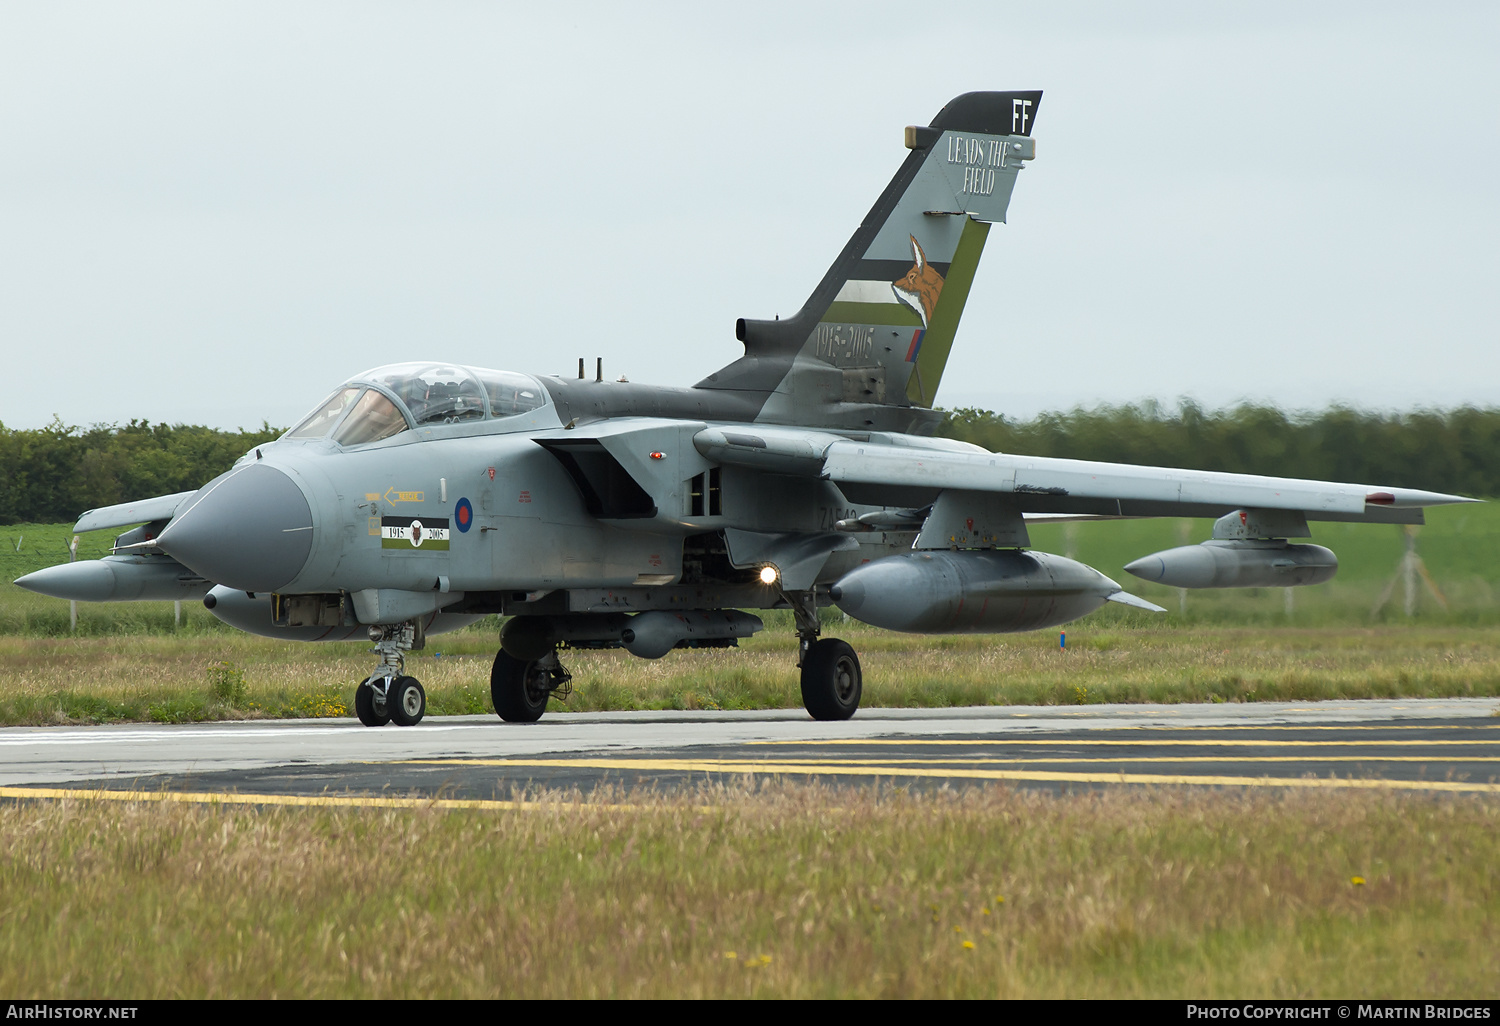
[388, 400]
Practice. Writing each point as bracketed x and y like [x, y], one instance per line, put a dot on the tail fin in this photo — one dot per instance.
[868, 347]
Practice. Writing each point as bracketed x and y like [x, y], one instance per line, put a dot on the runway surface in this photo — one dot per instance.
[1434, 746]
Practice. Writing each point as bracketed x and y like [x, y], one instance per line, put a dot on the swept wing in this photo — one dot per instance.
[880, 472]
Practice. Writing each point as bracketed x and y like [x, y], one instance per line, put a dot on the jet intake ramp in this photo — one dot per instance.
[607, 488]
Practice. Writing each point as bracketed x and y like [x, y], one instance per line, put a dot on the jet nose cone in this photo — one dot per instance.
[250, 531]
[848, 595]
[1147, 568]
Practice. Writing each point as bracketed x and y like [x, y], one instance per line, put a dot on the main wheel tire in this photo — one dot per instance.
[372, 710]
[831, 681]
[519, 689]
[407, 701]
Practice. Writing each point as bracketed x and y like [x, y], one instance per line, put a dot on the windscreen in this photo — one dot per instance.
[374, 417]
[317, 423]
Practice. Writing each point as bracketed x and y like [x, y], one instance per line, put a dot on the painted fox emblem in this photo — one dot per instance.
[921, 286]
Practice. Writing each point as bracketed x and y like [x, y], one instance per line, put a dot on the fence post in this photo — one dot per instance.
[73, 605]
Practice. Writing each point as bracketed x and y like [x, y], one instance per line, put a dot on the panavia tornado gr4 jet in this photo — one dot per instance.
[419, 497]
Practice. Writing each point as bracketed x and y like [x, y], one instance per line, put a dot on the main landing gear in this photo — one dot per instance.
[831, 679]
[520, 687]
[387, 695]
[521, 684]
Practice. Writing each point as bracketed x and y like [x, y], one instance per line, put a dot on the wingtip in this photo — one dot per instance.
[1410, 498]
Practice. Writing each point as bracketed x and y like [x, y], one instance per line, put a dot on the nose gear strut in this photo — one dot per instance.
[388, 694]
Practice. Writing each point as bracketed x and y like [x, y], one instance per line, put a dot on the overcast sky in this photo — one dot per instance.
[213, 213]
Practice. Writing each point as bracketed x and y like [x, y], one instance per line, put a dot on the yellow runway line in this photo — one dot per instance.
[1325, 726]
[1286, 726]
[1113, 760]
[1168, 742]
[1035, 776]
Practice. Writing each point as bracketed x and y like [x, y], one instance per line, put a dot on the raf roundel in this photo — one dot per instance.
[463, 516]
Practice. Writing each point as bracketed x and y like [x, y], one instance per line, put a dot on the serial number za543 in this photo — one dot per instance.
[830, 515]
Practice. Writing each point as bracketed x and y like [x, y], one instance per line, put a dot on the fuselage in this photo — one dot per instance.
[576, 485]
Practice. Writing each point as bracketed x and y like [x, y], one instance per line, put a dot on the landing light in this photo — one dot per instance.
[768, 575]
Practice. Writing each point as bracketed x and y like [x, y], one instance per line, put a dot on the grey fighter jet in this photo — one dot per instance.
[595, 514]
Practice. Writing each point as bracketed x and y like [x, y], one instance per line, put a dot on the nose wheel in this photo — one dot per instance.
[407, 701]
[398, 700]
[370, 704]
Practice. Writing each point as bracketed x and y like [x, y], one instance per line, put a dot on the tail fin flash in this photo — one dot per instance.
[869, 346]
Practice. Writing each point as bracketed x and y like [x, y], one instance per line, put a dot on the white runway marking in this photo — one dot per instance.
[112, 736]
[40, 755]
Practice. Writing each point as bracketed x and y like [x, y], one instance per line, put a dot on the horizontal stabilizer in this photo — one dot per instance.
[142, 511]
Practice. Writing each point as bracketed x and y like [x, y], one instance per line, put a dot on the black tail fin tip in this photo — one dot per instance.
[990, 113]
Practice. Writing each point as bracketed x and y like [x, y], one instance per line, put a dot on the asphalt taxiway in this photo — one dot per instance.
[1443, 745]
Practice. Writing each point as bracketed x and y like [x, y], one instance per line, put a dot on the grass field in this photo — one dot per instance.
[210, 676]
[769, 891]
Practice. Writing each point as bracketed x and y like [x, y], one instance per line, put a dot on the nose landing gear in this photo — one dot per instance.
[407, 701]
[387, 695]
[370, 703]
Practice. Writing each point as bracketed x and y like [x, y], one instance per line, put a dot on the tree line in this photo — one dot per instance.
[51, 474]
[1455, 450]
